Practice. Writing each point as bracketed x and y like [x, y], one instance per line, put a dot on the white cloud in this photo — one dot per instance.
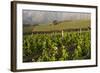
[35, 17]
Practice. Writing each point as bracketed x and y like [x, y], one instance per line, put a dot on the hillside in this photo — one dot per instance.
[61, 25]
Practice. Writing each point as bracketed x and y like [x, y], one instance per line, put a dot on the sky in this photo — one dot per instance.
[36, 17]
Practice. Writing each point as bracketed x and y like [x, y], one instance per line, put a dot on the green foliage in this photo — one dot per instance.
[54, 47]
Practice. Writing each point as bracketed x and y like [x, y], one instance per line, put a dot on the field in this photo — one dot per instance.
[57, 46]
[54, 47]
[65, 25]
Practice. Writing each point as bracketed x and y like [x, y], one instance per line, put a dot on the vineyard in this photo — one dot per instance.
[55, 47]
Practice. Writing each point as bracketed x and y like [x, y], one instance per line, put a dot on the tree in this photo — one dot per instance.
[55, 22]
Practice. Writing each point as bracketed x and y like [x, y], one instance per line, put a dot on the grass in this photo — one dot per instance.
[62, 25]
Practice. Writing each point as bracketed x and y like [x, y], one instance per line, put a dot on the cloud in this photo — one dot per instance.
[36, 17]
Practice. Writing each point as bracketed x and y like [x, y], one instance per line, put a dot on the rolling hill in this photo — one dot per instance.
[75, 24]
